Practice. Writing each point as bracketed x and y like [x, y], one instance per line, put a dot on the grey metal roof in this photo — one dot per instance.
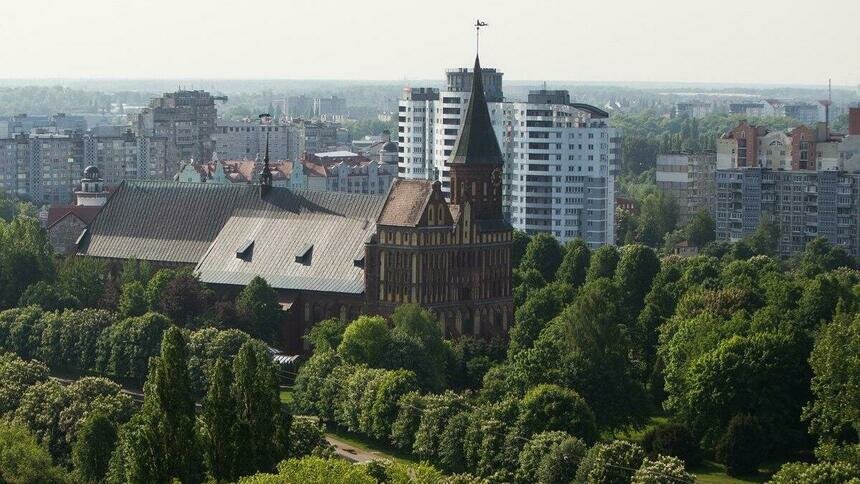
[280, 237]
[164, 221]
[208, 224]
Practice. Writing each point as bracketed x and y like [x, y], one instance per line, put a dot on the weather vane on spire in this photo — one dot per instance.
[478, 25]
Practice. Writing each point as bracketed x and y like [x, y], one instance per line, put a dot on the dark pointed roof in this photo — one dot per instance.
[477, 142]
[266, 174]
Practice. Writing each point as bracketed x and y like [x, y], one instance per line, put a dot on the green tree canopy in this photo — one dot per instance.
[26, 258]
[551, 407]
[611, 463]
[599, 349]
[365, 341]
[85, 279]
[544, 254]
[132, 301]
[326, 335]
[834, 413]
[603, 263]
[701, 229]
[92, 451]
[530, 318]
[218, 424]
[258, 306]
[260, 418]
[574, 265]
[518, 248]
[23, 460]
[635, 271]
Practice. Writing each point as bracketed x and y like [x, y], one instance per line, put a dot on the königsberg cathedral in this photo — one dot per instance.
[335, 254]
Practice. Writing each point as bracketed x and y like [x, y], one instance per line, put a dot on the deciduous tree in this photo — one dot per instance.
[258, 306]
[544, 254]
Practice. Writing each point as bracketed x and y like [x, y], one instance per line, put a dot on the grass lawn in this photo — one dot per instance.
[286, 396]
[364, 443]
[713, 473]
[708, 472]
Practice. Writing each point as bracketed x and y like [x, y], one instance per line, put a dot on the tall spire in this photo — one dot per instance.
[266, 173]
[477, 143]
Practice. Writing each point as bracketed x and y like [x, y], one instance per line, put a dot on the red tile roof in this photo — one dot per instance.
[406, 202]
[85, 213]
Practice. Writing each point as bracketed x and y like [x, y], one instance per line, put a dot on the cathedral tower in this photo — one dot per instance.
[476, 161]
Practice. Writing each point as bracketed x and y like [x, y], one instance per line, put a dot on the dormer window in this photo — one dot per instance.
[304, 255]
[245, 250]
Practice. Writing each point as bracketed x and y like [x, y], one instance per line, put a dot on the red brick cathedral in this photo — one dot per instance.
[453, 258]
[335, 254]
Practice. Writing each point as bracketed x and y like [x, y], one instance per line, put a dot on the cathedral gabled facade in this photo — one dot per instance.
[453, 258]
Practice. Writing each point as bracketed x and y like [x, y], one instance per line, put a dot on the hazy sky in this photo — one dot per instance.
[734, 41]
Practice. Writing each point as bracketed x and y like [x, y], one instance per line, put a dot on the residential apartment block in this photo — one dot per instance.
[307, 136]
[25, 123]
[560, 157]
[804, 204]
[801, 148]
[121, 155]
[186, 119]
[807, 181]
[563, 161]
[44, 165]
[694, 109]
[244, 140]
[805, 112]
[690, 179]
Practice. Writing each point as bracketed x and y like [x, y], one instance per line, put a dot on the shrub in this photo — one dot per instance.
[663, 470]
[674, 440]
[611, 463]
[551, 407]
[559, 465]
[821, 473]
[534, 451]
[740, 448]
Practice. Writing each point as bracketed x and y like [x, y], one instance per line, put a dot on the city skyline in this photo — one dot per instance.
[737, 43]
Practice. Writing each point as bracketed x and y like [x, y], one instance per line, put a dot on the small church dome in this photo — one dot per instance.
[91, 172]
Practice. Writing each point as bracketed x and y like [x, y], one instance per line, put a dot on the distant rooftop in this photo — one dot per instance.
[335, 154]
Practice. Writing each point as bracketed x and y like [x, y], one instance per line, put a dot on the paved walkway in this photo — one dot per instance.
[353, 454]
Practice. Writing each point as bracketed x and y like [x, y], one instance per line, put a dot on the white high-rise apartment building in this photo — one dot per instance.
[560, 157]
[563, 166]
